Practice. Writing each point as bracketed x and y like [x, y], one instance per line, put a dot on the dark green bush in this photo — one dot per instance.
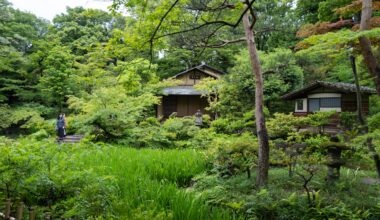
[348, 120]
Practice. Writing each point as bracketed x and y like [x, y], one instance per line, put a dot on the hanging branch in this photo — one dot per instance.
[206, 40]
[157, 28]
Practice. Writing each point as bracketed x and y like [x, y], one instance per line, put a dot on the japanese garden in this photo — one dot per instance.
[191, 109]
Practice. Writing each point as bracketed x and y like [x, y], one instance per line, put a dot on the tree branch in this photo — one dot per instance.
[220, 7]
[157, 28]
[224, 43]
[206, 23]
[252, 12]
[275, 70]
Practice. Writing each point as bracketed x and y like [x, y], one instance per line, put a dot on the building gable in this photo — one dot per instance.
[193, 75]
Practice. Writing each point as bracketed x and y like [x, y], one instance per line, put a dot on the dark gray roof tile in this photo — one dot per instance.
[338, 86]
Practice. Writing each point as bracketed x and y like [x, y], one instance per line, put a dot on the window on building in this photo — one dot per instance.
[315, 104]
[330, 102]
[299, 104]
[195, 76]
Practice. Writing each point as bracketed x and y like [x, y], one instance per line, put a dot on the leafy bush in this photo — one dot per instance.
[232, 125]
[149, 133]
[26, 119]
[374, 122]
[180, 128]
[280, 125]
[348, 120]
[42, 174]
[234, 155]
[319, 119]
[110, 119]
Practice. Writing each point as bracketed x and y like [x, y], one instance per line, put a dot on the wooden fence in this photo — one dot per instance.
[19, 212]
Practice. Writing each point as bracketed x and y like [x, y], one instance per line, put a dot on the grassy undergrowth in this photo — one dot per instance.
[91, 181]
[150, 182]
[285, 197]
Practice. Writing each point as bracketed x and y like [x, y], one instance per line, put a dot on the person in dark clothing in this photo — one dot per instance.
[61, 127]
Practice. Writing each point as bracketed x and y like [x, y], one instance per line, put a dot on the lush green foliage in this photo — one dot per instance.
[94, 181]
[105, 71]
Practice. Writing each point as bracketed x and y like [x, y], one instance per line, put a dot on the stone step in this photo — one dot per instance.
[71, 138]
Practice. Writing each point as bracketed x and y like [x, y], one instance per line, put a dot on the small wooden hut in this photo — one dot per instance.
[327, 96]
[184, 100]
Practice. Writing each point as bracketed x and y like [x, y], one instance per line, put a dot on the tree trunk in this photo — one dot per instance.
[365, 44]
[359, 103]
[262, 134]
[373, 67]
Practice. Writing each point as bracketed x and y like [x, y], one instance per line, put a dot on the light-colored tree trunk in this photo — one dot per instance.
[262, 134]
[365, 44]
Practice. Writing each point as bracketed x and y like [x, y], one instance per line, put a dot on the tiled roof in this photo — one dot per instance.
[338, 86]
[181, 90]
[200, 68]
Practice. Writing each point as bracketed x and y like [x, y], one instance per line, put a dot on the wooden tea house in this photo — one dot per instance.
[327, 96]
[184, 99]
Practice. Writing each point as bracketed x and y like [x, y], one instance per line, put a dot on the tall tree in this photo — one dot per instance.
[373, 67]
[369, 58]
[18, 32]
[262, 133]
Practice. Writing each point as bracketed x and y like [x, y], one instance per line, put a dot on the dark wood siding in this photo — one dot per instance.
[349, 103]
[183, 105]
[169, 105]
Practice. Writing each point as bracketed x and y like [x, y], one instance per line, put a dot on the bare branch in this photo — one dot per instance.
[206, 23]
[208, 38]
[274, 70]
[225, 43]
[158, 27]
[223, 5]
[253, 14]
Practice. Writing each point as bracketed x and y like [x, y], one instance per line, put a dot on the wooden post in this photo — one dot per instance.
[32, 214]
[7, 208]
[20, 210]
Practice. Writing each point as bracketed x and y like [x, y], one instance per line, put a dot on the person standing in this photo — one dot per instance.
[60, 127]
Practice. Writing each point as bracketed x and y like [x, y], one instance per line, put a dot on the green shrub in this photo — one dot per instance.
[25, 119]
[232, 125]
[348, 120]
[39, 135]
[280, 125]
[234, 155]
[110, 119]
[319, 119]
[374, 122]
[182, 128]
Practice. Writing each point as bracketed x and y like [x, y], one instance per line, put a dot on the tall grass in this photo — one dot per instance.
[150, 182]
